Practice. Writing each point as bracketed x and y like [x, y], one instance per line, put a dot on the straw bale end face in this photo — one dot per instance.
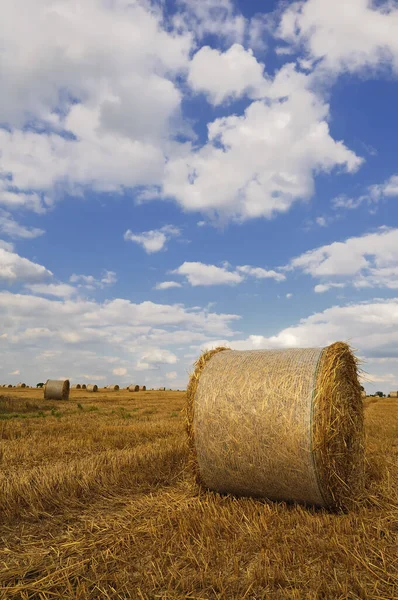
[279, 424]
[56, 389]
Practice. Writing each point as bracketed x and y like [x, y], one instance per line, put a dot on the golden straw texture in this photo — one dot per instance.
[280, 424]
[92, 388]
[56, 389]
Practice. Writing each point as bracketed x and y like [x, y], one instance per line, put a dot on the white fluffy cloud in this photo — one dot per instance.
[214, 17]
[227, 75]
[157, 356]
[12, 229]
[371, 327]
[101, 72]
[260, 163]
[367, 261]
[154, 240]
[77, 336]
[346, 36]
[121, 371]
[374, 194]
[198, 273]
[14, 268]
[167, 285]
[91, 283]
[172, 375]
[59, 290]
[260, 273]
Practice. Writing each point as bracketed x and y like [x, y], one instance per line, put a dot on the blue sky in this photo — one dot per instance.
[175, 175]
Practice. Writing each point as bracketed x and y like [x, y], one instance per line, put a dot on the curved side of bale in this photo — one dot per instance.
[84, 386]
[92, 388]
[57, 389]
[279, 424]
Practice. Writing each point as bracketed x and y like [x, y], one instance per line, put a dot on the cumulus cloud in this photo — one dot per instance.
[60, 290]
[227, 75]
[91, 283]
[371, 327]
[12, 229]
[157, 356]
[370, 260]
[154, 240]
[259, 163]
[96, 84]
[344, 36]
[214, 17]
[260, 273]
[198, 273]
[374, 194]
[167, 285]
[172, 375]
[80, 336]
[121, 371]
[14, 268]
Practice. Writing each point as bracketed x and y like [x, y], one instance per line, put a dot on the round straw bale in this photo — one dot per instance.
[57, 389]
[113, 388]
[278, 424]
[84, 387]
[92, 388]
[134, 388]
[76, 386]
[142, 388]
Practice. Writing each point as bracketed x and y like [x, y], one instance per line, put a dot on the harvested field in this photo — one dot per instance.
[96, 501]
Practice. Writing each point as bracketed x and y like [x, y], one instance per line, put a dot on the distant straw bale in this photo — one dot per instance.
[134, 388]
[21, 385]
[76, 386]
[142, 388]
[113, 388]
[278, 424]
[84, 387]
[57, 389]
[363, 394]
[92, 388]
[393, 394]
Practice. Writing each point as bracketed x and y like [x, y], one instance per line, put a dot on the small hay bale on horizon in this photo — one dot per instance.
[113, 388]
[286, 425]
[133, 388]
[21, 385]
[142, 388]
[92, 388]
[57, 389]
[76, 386]
[393, 394]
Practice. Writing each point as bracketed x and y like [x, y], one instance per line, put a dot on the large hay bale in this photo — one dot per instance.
[278, 424]
[112, 388]
[92, 388]
[134, 388]
[57, 389]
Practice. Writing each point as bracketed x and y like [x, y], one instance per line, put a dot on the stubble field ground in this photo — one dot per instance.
[96, 501]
